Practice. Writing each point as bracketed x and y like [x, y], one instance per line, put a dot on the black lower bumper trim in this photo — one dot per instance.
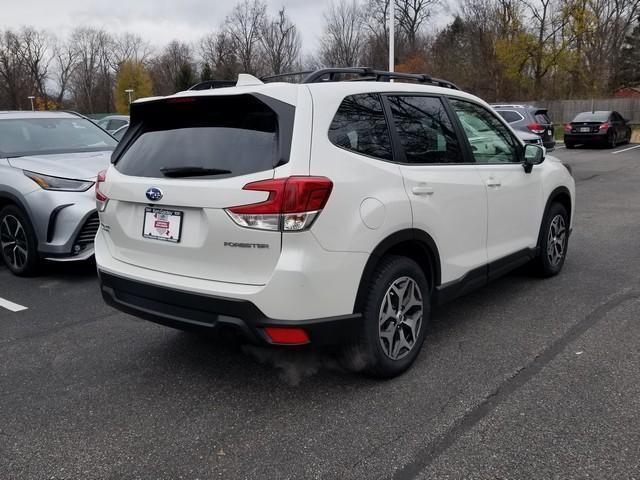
[190, 311]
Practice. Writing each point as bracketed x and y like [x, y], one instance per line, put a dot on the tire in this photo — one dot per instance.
[388, 346]
[18, 243]
[611, 139]
[554, 242]
[569, 145]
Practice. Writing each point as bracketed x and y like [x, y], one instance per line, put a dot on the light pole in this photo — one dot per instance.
[32, 98]
[129, 91]
[392, 5]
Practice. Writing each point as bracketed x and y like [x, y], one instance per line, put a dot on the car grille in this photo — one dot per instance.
[88, 231]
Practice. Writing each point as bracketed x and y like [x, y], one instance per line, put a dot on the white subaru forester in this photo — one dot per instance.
[326, 212]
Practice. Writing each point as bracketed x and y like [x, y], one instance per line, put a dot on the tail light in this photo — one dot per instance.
[605, 126]
[287, 335]
[293, 204]
[101, 198]
[567, 127]
[536, 128]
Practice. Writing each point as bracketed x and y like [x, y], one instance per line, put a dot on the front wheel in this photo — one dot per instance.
[18, 242]
[554, 242]
[395, 314]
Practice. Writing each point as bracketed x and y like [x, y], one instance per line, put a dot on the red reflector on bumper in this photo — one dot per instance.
[287, 336]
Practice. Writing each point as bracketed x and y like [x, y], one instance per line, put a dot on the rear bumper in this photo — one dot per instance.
[585, 137]
[198, 312]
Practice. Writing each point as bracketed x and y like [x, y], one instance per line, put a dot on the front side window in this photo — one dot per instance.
[360, 126]
[490, 140]
[425, 130]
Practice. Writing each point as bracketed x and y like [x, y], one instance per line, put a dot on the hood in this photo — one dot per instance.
[79, 166]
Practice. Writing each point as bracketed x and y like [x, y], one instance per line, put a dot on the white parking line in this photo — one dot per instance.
[626, 149]
[14, 307]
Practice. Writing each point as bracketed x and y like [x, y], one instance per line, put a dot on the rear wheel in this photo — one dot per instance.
[569, 145]
[18, 242]
[611, 139]
[395, 313]
[554, 242]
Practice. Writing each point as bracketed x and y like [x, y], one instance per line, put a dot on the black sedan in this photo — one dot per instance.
[600, 127]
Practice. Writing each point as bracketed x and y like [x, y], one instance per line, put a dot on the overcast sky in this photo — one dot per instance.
[158, 21]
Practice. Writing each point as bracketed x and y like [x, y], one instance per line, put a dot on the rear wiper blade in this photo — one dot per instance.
[177, 172]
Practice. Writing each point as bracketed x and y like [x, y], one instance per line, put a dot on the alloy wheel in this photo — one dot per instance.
[13, 242]
[400, 318]
[556, 240]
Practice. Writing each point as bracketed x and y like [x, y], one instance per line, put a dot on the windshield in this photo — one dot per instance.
[592, 117]
[46, 136]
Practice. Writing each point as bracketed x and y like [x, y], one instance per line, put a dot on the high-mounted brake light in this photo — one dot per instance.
[292, 205]
[605, 126]
[101, 198]
[536, 128]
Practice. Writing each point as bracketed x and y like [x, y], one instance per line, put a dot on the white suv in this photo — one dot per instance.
[325, 213]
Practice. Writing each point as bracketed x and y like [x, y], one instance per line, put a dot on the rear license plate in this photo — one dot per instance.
[162, 224]
[585, 129]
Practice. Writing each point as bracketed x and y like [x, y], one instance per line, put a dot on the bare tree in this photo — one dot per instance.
[14, 77]
[281, 43]
[35, 54]
[218, 52]
[343, 40]
[92, 80]
[129, 46]
[411, 16]
[244, 26]
[65, 60]
[174, 69]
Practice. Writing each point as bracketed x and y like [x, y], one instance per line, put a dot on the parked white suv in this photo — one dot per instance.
[324, 212]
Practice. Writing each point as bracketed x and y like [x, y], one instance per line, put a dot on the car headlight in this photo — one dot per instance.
[48, 182]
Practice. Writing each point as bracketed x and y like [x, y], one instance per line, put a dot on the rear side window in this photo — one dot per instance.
[425, 130]
[360, 126]
[202, 137]
[510, 115]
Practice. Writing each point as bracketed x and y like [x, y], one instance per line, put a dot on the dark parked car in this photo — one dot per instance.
[530, 119]
[600, 127]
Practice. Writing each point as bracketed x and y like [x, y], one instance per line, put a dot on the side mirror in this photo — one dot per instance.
[533, 155]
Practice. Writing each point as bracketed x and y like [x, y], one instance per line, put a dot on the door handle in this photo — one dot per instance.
[422, 190]
[492, 182]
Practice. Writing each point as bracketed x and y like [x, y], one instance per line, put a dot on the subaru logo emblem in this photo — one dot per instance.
[154, 194]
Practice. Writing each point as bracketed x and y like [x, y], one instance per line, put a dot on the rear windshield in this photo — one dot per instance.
[542, 117]
[222, 135]
[46, 136]
[592, 117]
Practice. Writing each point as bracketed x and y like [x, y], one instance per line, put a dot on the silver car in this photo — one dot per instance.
[48, 163]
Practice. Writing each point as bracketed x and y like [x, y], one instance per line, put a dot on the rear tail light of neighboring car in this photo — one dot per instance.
[536, 128]
[101, 198]
[567, 127]
[292, 206]
[605, 126]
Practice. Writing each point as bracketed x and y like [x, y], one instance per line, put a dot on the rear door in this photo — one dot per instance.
[515, 198]
[448, 198]
[186, 160]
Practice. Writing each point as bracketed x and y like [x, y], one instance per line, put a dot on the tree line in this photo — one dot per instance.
[497, 49]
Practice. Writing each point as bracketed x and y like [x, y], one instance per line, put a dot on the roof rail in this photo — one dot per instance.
[271, 78]
[369, 74]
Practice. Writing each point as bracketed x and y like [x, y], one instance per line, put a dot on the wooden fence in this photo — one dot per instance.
[562, 111]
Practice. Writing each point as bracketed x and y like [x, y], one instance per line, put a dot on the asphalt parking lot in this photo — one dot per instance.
[525, 378]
